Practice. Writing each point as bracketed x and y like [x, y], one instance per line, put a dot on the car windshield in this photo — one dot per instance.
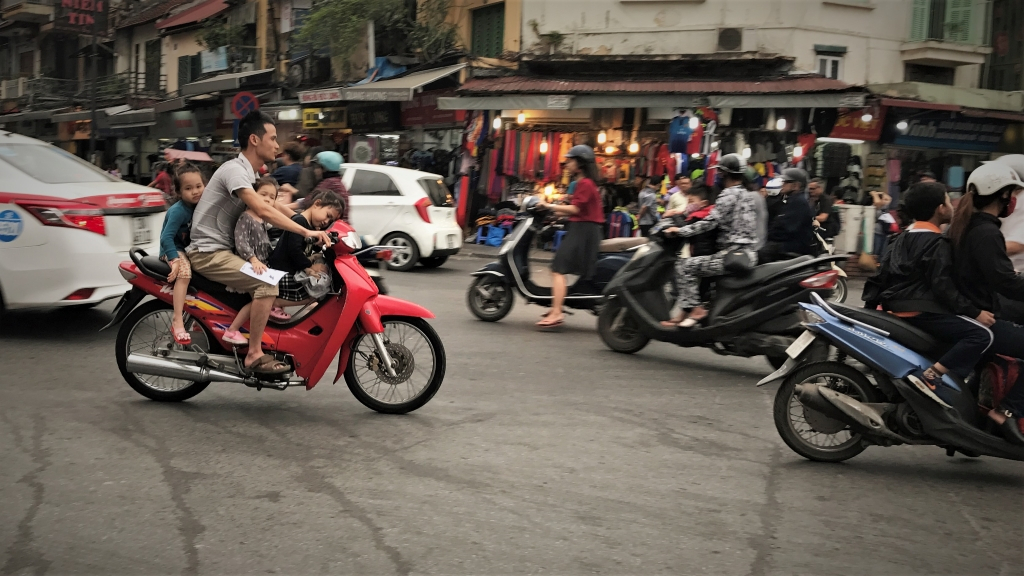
[50, 164]
[437, 191]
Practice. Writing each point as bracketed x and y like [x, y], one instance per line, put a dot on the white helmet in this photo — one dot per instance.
[1015, 161]
[992, 177]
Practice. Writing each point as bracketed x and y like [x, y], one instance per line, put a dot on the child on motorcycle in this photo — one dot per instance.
[174, 237]
[700, 202]
[253, 244]
[915, 282]
[323, 208]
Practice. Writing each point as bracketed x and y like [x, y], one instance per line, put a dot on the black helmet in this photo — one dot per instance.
[795, 175]
[581, 153]
[732, 164]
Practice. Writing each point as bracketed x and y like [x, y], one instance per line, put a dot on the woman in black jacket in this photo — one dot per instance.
[982, 270]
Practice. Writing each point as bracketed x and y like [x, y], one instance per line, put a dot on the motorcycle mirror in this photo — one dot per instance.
[530, 203]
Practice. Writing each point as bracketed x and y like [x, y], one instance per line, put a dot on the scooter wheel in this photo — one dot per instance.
[810, 433]
[619, 329]
[490, 298]
[839, 292]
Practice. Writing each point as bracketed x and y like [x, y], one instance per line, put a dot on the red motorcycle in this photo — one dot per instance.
[392, 360]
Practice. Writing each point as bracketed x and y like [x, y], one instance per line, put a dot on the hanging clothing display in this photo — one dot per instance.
[679, 132]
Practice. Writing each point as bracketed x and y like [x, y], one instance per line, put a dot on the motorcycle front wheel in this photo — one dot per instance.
[810, 433]
[419, 367]
[147, 330]
[619, 330]
[839, 292]
[490, 298]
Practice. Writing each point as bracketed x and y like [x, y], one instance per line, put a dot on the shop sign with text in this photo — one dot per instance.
[851, 124]
[317, 96]
[951, 132]
[81, 16]
[324, 119]
[373, 117]
[422, 110]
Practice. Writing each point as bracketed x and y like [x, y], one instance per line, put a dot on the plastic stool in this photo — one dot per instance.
[481, 234]
[558, 240]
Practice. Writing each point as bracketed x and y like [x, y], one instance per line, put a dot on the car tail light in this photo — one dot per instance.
[385, 254]
[823, 281]
[67, 215]
[83, 294]
[421, 207]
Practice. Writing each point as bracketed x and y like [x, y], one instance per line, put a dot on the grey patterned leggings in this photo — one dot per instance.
[690, 270]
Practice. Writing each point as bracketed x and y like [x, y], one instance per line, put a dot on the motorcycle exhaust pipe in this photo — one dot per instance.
[810, 396]
[153, 366]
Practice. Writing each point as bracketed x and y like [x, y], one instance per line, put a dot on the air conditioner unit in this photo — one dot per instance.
[730, 40]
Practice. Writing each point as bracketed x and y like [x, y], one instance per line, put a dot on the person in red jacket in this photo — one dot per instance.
[578, 252]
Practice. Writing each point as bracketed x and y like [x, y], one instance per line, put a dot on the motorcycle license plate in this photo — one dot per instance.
[141, 234]
[800, 344]
[451, 241]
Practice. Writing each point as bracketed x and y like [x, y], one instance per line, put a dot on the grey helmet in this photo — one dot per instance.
[795, 175]
[734, 164]
[581, 153]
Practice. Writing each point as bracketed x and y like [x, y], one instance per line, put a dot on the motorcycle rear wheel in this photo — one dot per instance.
[619, 330]
[405, 340]
[839, 293]
[835, 442]
[146, 330]
[490, 298]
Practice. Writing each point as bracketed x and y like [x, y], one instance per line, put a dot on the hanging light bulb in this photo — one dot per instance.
[746, 152]
[694, 122]
[497, 123]
[521, 118]
[634, 147]
[543, 146]
[902, 125]
[609, 149]
[867, 117]
[798, 151]
[602, 137]
[780, 124]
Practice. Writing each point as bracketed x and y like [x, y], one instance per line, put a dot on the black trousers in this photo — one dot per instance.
[645, 229]
[971, 338]
[1009, 341]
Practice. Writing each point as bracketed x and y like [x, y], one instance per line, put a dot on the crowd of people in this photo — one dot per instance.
[219, 228]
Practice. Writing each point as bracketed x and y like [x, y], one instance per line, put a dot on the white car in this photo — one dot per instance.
[410, 211]
[65, 225]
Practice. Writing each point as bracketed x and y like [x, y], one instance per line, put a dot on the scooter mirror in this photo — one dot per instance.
[530, 203]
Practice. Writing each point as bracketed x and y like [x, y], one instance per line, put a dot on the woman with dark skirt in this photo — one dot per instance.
[578, 251]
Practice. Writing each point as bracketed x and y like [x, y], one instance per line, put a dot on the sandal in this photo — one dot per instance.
[267, 365]
[548, 323]
[181, 337]
[234, 337]
[278, 313]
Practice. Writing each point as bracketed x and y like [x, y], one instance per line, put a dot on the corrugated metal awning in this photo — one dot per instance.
[226, 82]
[133, 118]
[397, 89]
[80, 115]
[533, 85]
[569, 102]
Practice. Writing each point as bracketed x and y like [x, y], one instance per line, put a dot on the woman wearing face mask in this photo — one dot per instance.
[982, 270]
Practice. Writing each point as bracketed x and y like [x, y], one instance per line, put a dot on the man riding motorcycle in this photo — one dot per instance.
[735, 216]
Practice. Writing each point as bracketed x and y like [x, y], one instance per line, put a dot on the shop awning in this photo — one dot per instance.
[170, 105]
[531, 93]
[173, 154]
[133, 118]
[226, 82]
[81, 115]
[30, 115]
[397, 89]
[193, 14]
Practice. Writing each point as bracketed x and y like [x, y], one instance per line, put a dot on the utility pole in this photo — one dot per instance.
[92, 91]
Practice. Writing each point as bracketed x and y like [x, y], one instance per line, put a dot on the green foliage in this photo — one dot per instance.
[553, 38]
[215, 33]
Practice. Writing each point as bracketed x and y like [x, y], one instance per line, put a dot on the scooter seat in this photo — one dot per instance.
[156, 268]
[614, 245]
[910, 336]
[759, 273]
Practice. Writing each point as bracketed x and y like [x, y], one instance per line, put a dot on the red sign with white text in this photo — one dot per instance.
[422, 110]
[851, 124]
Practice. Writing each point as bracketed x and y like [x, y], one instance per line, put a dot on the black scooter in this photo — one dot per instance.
[753, 311]
[490, 296]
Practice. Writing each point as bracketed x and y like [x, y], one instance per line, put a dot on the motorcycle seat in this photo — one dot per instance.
[157, 269]
[614, 245]
[910, 336]
[759, 273]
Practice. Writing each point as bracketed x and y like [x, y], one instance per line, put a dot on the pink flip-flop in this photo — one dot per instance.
[278, 313]
[234, 337]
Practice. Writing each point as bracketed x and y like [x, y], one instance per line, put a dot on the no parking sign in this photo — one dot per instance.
[243, 103]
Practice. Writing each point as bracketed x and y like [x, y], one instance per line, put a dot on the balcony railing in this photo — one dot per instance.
[946, 21]
[108, 88]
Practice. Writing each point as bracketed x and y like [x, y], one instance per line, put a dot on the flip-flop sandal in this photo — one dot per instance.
[672, 323]
[234, 338]
[279, 314]
[260, 366]
[546, 324]
[183, 337]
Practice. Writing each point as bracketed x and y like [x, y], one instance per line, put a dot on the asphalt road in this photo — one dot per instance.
[542, 453]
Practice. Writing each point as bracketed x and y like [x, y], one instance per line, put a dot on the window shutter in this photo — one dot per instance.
[184, 68]
[197, 68]
[488, 35]
[958, 21]
[919, 20]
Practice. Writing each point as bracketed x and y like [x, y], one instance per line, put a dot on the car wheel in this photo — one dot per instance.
[404, 252]
[433, 261]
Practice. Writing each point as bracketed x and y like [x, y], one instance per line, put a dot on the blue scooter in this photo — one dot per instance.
[830, 411]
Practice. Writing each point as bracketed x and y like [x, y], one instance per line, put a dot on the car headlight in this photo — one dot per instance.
[641, 252]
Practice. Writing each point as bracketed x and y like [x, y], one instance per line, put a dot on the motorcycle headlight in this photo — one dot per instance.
[808, 317]
[352, 241]
[641, 252]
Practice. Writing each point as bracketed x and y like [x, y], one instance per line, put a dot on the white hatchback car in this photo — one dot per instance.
[65, 225]
[410, 211]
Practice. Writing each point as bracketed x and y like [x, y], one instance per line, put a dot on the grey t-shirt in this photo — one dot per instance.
[648, 197]
[213, 223]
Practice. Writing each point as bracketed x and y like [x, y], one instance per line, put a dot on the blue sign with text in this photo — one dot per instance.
[10, 226]
[952, 132]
